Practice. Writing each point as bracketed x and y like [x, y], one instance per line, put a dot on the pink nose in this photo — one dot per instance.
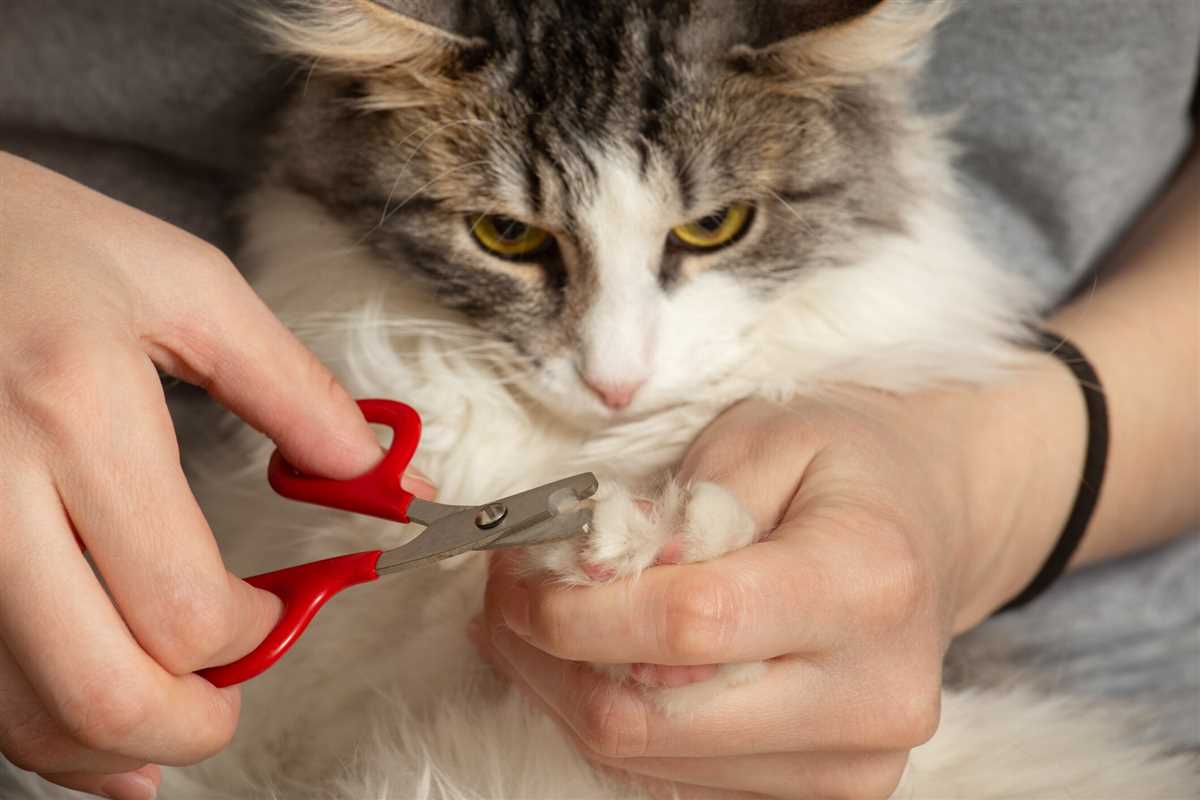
[615, 395]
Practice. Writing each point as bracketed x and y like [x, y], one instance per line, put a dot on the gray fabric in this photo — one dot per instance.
[1129, 630]
[1076, 113]
[160, 103]
[1075, 116]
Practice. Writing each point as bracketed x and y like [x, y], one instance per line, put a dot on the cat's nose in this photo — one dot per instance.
[615, 395]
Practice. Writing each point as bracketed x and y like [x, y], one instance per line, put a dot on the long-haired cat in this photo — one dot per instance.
[569, 233]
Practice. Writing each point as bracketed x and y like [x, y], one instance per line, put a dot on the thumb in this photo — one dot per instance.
[214, 331]
[759, 452]
[140, 784]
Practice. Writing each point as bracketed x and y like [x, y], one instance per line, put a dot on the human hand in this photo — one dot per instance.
[93, 296]
[896, 522]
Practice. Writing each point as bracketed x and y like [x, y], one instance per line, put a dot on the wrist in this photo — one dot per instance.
[1025, 444]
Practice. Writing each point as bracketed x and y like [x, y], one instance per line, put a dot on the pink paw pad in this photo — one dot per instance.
[597, 572]
[672, 552]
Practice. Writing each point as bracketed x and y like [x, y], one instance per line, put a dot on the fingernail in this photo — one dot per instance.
[129, 786]
[515, 611]
[417, 483]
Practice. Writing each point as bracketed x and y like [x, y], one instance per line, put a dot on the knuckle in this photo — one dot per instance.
[27, 755]
[205, 252]
[192, 627]
[203, 259]
[57, 375]
[32, 750]
[699, 619]
[104, 714]
[613, 724]
[876, 779]
[921, 716]
[215, 734]
[914, 713]
[896, 586]
[883, 776]
[873, 777]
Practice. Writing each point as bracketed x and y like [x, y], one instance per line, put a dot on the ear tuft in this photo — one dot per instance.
[361, 37]
[889, 36]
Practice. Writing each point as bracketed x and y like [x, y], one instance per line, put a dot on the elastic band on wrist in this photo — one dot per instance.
[1093, 467]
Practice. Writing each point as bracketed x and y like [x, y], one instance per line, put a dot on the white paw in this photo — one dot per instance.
[681, 525]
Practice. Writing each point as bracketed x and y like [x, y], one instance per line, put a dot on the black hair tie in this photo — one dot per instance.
[1093, 467]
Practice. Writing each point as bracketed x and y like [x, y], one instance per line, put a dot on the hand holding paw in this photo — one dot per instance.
[879, 539]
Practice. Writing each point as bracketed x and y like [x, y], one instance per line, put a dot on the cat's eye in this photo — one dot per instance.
[509, 238]
[715, 230]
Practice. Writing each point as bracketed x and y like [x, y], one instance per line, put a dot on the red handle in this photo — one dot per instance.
[303, 590]
[378, 492]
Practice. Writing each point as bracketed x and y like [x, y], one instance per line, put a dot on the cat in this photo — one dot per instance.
[569, 234]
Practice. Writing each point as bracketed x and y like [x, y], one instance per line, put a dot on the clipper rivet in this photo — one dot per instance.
[490, 516]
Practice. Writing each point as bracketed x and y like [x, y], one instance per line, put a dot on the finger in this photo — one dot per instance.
[90, 674]
[776, 775]
[758, 452]
[32, 740]
[205, 324]
[785, 776]
[146, 534]
[823, 712]
[655, 789]
[682, 791]
[774, 597]
[419, 484]
[140, 784]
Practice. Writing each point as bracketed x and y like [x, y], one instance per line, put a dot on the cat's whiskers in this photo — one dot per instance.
[402, 170]
[416, 193]
[807, 225]
[440, 176]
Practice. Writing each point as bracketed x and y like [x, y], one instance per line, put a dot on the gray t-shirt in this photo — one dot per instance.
[160, 103]
[1076, 113]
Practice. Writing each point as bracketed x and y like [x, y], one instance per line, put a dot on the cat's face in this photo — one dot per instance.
[612, 188]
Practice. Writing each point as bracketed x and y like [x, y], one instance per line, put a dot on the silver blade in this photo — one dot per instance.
[567, 525]
[548, 513]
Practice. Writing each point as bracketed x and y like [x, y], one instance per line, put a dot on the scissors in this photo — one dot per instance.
[549, 513]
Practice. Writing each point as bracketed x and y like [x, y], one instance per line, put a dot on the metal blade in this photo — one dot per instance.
[548, 513]
[567, 525]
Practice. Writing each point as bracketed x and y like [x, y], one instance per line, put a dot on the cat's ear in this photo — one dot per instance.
[839, 41]
[407, 44]
[779, 20]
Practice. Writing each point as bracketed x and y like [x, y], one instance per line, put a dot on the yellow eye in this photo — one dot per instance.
[509, 238]
[716, 230]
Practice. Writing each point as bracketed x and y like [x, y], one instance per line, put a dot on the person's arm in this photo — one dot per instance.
[1140, 328]
[95, 678]
[896, 522]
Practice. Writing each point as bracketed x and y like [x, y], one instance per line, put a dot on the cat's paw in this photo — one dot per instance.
[681, 525]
